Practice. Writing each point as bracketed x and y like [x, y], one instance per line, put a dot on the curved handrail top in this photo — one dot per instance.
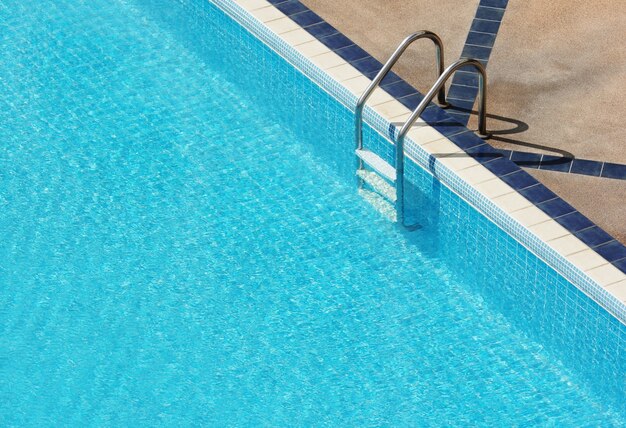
[440, 83]
[393, 59]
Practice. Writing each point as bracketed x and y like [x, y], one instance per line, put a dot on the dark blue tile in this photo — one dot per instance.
[352, 53]
[620, 264]
[485, 26]
[612, 251]
[485, 154]
[594, 236]
[505, 153]
[306, 19]
[464, 106]
[459, 116]
[586, 167]
[489, 13]
[462, 92]
[391, 78]
[337, 41]
[574, 222]
[467, 140]
[291, 7]
[525, 159]
[368, 66]
[494, 3]
[322, 29]
[467, 78]
[399, 89]
[481, 39]
[477, 52]
[556, 163]
[538, 194]
[556, 208]
[275, 2]
[614, 170]
[411, 101]
[442, 122]
[520, 180]
[501, 167]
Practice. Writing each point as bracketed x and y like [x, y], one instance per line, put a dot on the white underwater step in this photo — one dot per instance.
[378, 164]
[379, 203]
[378, 183]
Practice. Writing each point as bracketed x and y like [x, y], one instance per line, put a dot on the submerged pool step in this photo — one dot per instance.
[382, 205]
[377, 163]
[378, 183]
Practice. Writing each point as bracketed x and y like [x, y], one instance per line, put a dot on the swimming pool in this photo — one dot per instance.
[184, 244]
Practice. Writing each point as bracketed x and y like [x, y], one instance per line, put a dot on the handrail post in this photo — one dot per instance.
[440, 83]
[387, 68]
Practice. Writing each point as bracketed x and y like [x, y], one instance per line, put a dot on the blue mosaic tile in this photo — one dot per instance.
[612, 251]
[594, 236]
[520, 180]
[613, 170]
[555, 163]
[538, 194]
[556, 208]
[586, 167]
[575, 222]
[306, 19]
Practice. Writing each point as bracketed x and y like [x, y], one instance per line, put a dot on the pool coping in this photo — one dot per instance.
[528, 211]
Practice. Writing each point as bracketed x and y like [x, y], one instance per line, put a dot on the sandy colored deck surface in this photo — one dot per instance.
[558, 66]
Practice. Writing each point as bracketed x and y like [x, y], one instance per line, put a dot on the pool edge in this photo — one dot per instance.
[457, 157]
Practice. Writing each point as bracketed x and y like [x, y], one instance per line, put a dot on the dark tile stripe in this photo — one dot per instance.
[478, 45]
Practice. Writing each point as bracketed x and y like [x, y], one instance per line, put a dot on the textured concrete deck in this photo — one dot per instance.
[559, 67]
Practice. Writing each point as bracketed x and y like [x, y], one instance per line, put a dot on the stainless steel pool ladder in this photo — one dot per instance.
[375, 162]
[364, 156]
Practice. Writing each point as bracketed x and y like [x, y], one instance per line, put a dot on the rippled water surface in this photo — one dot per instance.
[178, 249]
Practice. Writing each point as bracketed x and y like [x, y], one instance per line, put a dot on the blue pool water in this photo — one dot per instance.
[183, 244]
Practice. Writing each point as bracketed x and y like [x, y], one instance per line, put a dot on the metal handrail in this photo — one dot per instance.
[387, 68]
[439, 84]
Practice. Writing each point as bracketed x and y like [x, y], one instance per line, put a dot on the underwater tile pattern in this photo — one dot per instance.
[491, 158]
